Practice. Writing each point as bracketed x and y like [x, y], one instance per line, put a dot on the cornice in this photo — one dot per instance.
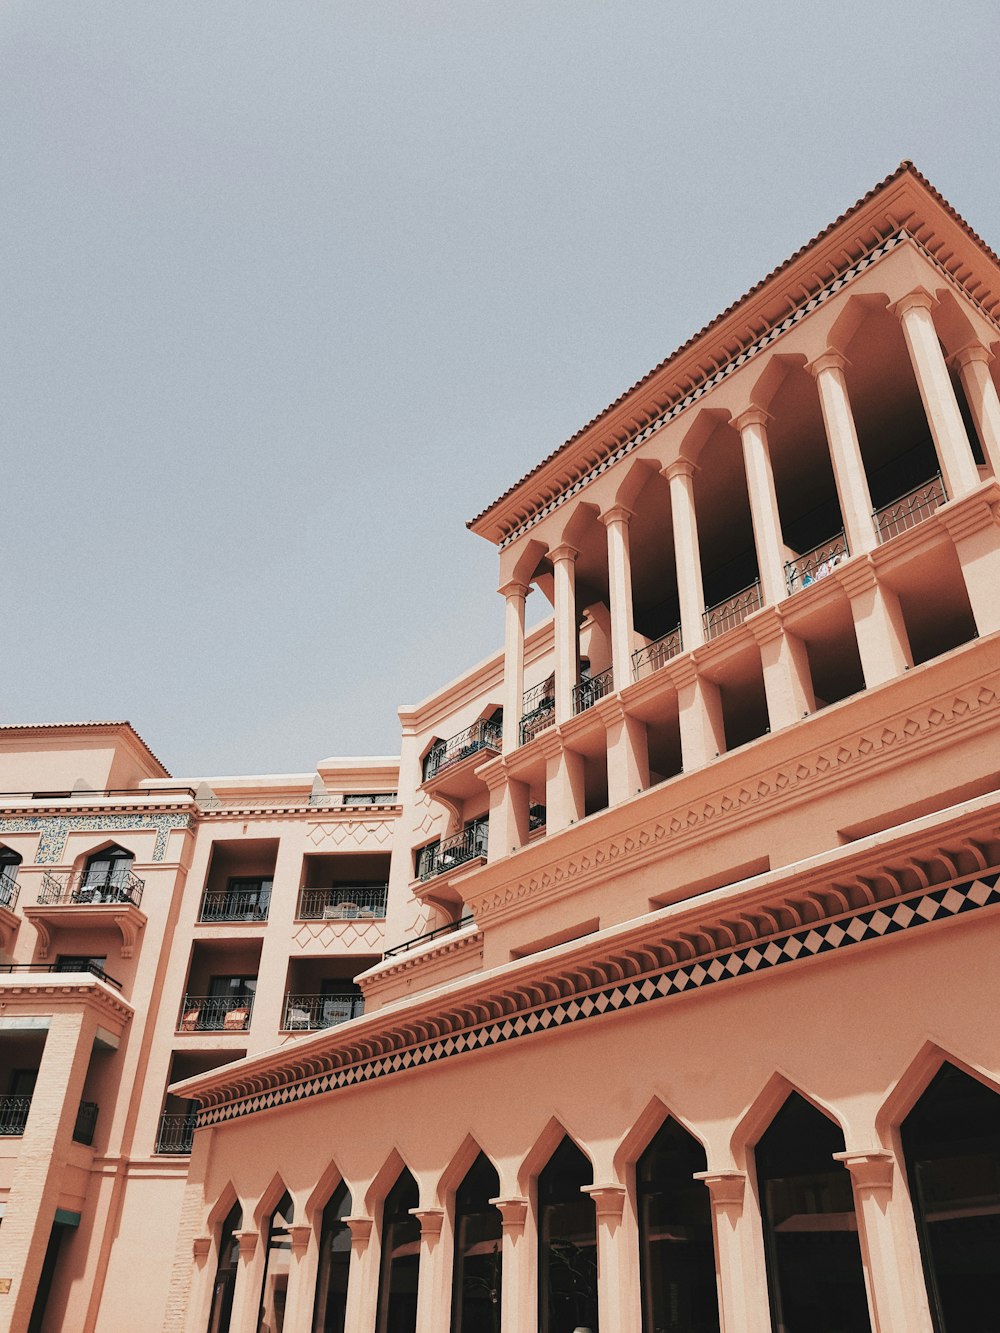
[65, 994]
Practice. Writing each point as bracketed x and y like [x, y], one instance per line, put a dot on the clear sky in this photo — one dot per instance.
[293, 288]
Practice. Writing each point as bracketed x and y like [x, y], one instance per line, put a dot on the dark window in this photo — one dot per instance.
[677, 1254]
[951, 1140]
[334, 1264]
[277, 1261]
[567, 1244]
[478, 1246]
[225, 1274]
[107, 870]
[400, 1268]
[814, 1271]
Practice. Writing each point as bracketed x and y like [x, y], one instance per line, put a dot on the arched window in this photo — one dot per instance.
[478, 1246]
[277, 1260]
[225, 1273]
[330, 1309]
[567, 1244]
[951, 1140]
[676, 1250]
[400, 1268]
[106, 875]
[814, 1271]
[9, 862]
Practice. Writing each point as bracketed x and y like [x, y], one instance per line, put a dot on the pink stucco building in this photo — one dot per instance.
[651, 989]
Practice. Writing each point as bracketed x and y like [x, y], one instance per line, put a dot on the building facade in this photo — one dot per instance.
[650, 989]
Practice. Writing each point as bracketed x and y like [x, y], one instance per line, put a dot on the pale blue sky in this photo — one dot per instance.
[293, 288]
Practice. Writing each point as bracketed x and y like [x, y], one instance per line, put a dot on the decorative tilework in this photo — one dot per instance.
[908, 912]
[55, 829]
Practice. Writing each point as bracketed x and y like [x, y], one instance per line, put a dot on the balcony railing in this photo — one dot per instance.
[482, 735]
[308, 1013]
[724, 616]
[448, 929]
[657, 653]
[536, 817]
[14, 1115]
[342, 902]
[816, 564]
[175, 1133]
[587, 693]
[910, 509]
[86, 1123]
[215, 1013]
[234, 905]
[93, 968]
[9, 889]
[454, 851]
[81, 890]
[538, 710]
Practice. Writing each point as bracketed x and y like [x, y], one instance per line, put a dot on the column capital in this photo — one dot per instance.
[609, 1201]
[680, 467]
[969, 354]
[201, 1247]
[513, 1211]
[869, 1170]
[431, 1221]
[751, 416]
[247, 1241]
[831, 359]
[919, 299]
[617, 514]
[300, 1236]
[563, 552]
[725, 1187]
[514, 589]
[361, 1230]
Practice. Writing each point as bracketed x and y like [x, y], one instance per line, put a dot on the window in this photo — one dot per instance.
[400, 1267]
[107, 877]
[478, 1251]
[334, 1264]
[277, 1261]
[567, 1244]
[9, 862]
[225, 1274]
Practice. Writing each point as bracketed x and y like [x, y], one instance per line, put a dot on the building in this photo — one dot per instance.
[652, 987]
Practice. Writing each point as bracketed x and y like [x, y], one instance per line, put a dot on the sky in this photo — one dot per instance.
[291, 289]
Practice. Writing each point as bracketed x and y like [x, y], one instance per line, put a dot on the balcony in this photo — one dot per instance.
[538, 710]
[175, 1134]
[214, 1013]
[342, 902]
[816, 564]
[309, 1013]
[485, 734]
[656, 654]
[94, 969]
[439, 858]
[13, 1116]
[86, 1123]
[234, 903]
[9, 889]
[448, 929]
[724, 616]
[910, 509]
[121, 887]
[591, 689]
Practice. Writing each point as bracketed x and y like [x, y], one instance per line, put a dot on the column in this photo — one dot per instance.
[940, 404]
[517, 1287]
[743, 1306]
[974, 527]
[617, 521]
[301, 1278]
[787, 677]
[509, 802]
[246, 1293]
[892, 1268]
[514, 595]
[618, 1298]
[567, 653]
[433, 1297]
[751, 425]
[845, 451]
[565, 801]
[699, 707]
[362, 1278]
[687, 553]
[883, 644]
[973, 364]
[628, 752]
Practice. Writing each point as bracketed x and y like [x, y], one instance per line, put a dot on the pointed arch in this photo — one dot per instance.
[221, 1209]
[322, 1192]
[647, 1125]
[915, 1080]
[704, 425]
[542, 1149]
[773, 376]
[636, 478]
[765, 1106]
[461, 1163]
[384, 1179]
[523, 563]
[855, 311]
[269, 1200]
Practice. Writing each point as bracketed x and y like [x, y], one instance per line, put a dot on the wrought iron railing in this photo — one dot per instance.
[342, 902]
[910, 509]
[482, 735]
[538, 710]
[235, 904]
[455, 850]
[657, 653]
[372, 798]
[175, 1133]
[81, 889]
[592, 688]
[215, 1013]
[307, 1013]
[86, 1123]
[9, 889]
[733, 611]
[14, 1115]
[447, 929]
[816, 564]
[64, 966]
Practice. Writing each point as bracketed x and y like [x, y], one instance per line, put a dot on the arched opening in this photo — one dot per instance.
[9, 863]
[330, 1308]
[107, 876]
[277, 1261]
[400, 1267]
[567, 1244]
[951, 1141]
[676, 1249]
[478, 1257]
[225, 1274]
[814, 1272]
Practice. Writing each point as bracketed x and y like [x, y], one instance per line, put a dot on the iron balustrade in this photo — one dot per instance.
[482, 735]
[215, 1013]
[447, 929]
[455, 850]
[724, 616]
[175, 1133]
[342, 902]
[235, 904]
[910, 509]
[816, 564]
[82, 889]
[372, 798]
[308, 1013]
[657, 653]
[591, 689]
[93, 968]
[9, 889]
[538, 710]
[86, 1123]
[14, 1115]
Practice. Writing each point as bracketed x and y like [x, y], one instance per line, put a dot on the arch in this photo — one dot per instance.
[322, 1192]
[771, 378]
[706, 422]
[542, 1149]
[456, 1170]
[913, 1083]
[954, 327]
[647, 1125]
[634, 482]
[384, 1179]
[222, 1207]
[477, 1250]
[574, 529]
[854, 313]
[270, 1199]
[524, 562]
[765, 1106]
[9, 858]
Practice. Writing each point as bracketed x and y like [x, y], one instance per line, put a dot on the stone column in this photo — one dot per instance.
[567, 631]
[519, 1277]
[509, 802]
[687, 553]
[892, 1270]
[699, 708]
[514, 595]
[752, 426]
[246, 1292]
[787, 678]
[973, 365]
[433, 1292]
[883, 644]
[301, 1278]
[618, 1303]
[845, 451]
[564, 782]
[362, 1277]
[628, 752]
[974, 527]
[740, 1284]
[940, 404]
[617, 521]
